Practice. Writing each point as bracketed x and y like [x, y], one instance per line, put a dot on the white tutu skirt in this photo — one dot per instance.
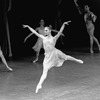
[54, 58]
[38, 45]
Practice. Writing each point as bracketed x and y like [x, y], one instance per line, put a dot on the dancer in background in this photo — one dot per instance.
[53, 56]
[4, 60]
[90, 18]
[38, 45]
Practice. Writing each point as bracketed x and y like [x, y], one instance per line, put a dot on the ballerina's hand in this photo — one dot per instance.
[24, 40]
[24, 26]
[67, 22]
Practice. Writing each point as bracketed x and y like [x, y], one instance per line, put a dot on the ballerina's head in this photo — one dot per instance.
[47, 31]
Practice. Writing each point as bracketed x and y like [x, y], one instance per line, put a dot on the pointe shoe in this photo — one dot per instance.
[10, 69]
[37, 88]
[80, 61]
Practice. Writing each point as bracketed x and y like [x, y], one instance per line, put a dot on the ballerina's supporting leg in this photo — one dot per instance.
[4, 61]
[73, 59]
[43, 77]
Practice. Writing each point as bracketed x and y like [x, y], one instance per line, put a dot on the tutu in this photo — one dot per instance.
[38, 45]
[53, 56]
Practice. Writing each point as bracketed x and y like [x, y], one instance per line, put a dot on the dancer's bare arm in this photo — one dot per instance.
[93, 16]
[28, 36]
[79, 9]
[53, 30]
[37, 29]
[33, 31]
[85, 17]
[61, 29]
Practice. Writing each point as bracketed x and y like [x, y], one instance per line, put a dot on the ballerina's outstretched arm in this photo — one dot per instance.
[54, 30]
[33, 31]
[61, 29]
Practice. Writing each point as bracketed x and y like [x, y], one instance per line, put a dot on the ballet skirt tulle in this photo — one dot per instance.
[54, 58]
[38, 45]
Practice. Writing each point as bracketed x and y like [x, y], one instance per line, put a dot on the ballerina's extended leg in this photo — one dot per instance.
[74, 59]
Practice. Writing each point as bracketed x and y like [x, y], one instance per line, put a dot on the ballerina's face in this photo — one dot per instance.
[47, 31]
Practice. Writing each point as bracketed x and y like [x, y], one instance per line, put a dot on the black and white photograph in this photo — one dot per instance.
[49, 50]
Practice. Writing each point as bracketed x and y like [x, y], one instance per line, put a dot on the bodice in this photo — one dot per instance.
[49, 44]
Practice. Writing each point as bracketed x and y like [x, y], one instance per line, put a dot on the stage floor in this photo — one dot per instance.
[72, 81]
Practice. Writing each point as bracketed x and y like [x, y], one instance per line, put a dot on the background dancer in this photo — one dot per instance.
[53, 57]
[37, 47]
[90, 18]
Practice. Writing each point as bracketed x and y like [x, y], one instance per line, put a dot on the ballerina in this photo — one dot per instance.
[53, 56]
[38, 45]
